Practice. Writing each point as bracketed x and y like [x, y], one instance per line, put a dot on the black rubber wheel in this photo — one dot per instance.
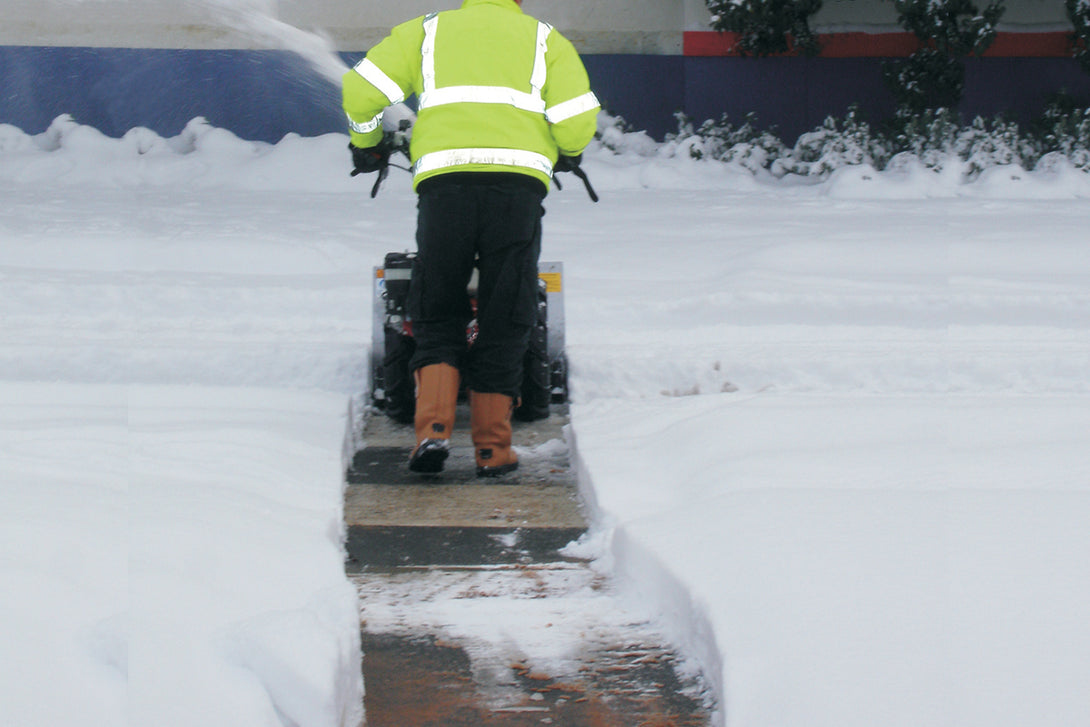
[559, 378]
[400, 390]
[536, 374]
[378, 387]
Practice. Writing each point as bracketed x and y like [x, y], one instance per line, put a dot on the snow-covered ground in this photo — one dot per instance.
[836, 435]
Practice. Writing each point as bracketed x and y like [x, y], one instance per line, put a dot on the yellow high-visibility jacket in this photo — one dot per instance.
[497, 90]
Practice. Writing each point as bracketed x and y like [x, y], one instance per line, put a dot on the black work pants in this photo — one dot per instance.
[492, 221]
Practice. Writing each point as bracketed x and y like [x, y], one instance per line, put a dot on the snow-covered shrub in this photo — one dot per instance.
[52, 138]
[759, 152]
[617, 135]
[686, 132]
[1078, 12]
[936, 140]
[1063, 132]
[933, 139]
[985, 144]
[141, 140]
[948, 31]
[836, 143]
[928, 136]
[745, 145]
[767, 27]
[13, 139]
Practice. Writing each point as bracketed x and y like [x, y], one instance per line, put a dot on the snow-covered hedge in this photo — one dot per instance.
[936, 140]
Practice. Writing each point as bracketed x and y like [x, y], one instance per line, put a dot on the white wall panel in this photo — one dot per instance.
[600, 26]
[880, 16]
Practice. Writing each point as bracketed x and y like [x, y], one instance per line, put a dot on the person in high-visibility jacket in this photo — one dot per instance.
[504, 101]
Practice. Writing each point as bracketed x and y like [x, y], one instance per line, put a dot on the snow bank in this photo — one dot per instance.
[859, 560]
[202, 155]
[238, 602]
[64, 555]
[173, 557]
[70, 154]
[913, 181]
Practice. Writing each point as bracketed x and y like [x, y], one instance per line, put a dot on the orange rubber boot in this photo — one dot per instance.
[436, 400]
[490, 421]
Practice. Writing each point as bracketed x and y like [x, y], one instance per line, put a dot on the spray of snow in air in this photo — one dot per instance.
[256, 19]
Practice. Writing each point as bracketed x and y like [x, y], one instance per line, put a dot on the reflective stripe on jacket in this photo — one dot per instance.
[497, 90]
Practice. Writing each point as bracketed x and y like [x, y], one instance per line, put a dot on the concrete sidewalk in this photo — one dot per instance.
[472, 614]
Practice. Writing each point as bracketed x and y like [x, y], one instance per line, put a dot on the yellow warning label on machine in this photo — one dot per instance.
[552, 282]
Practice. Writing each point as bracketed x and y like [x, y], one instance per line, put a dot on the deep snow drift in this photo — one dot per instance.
[835, 434]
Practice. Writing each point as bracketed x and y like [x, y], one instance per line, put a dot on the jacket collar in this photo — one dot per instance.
[506, 4]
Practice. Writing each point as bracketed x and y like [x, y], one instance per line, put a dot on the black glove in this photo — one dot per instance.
[371, 159]
[567, 163]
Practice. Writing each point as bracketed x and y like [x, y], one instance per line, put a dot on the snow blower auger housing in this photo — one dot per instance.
[545, 370]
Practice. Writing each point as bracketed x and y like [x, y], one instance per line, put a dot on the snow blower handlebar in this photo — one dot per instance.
[571, 164]
[377, 159]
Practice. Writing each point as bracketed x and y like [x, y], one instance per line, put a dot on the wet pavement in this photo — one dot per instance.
[472, 611]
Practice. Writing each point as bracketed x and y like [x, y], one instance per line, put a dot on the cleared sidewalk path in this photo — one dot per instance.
[470, 612]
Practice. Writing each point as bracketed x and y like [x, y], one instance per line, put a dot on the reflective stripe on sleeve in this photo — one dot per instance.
[500, 157]
[572, 107]
[375, 76]
[367, 126]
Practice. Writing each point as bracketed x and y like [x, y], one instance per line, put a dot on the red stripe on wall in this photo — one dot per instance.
[1030, 45]
[862, 45]
[888, 45]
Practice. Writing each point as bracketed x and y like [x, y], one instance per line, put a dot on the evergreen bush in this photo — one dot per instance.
[948, 31]
[928, 136]
[746, 145]
[927, 79]
[1078, 12]
[767, 27]
[1063, 132]
[933, 139]
[619, 136]
[836, 143]
[985, 144]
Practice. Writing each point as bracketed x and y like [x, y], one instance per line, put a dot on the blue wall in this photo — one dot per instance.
[645, 90]
[796, 94]
[264, 95]
[259, 95]
[804, 91]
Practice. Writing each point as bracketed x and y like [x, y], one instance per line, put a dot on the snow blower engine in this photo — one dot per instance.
[545, 370]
